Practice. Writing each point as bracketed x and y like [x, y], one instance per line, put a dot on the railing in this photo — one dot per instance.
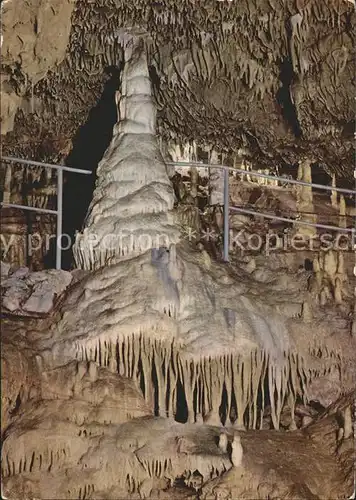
[227, 207]
[59, 211]
[254, 173]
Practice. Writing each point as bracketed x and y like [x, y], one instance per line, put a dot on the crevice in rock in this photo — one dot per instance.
[89, 145]
[284, 99]
[17, 405]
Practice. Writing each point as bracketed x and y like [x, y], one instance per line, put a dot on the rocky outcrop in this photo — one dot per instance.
[25, 293]
[151, 457]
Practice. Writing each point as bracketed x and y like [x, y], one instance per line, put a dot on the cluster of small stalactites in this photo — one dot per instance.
[330, 280]
[220, 390]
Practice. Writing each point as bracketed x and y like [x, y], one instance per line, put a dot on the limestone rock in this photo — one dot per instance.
[15, 295]
[236, 451]
[41, 35]
[35, 37]
[21, 272]
[34, 292]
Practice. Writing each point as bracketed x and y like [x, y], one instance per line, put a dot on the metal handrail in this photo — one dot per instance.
[294, 221]
[32, 163]
[59, 211]
[255, 173]
[227, 207]
[30, 209]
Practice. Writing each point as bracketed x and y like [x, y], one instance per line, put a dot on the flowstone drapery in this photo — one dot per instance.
[184, 329]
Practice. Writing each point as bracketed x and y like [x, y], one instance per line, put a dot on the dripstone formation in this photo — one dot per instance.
[164, 373]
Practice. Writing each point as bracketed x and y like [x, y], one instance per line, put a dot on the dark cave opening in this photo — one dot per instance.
[142, 384]
[284, 97]
[308, 265]
[156, 388]
[320, 176]
[223, 406]
[155, 80]
[17, 405]
[182, 408]
[233, 412]
[89, 145]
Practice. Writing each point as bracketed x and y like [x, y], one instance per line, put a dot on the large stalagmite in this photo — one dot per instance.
[133, 199]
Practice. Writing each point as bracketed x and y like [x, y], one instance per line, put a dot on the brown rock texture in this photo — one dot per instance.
[35, 38]
[157, 370]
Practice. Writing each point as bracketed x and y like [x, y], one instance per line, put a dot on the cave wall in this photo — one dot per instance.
[274, 78]
[35, 38]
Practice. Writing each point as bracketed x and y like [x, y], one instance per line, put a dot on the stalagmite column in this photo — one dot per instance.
[305, 200]
[7, 184]
[131, 207]
[333, 197]
[236, 451]
[223, 442]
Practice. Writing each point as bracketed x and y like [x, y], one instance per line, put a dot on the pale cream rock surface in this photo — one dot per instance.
[33, 292]
[202, 326]
[41, 35]
[131, 210]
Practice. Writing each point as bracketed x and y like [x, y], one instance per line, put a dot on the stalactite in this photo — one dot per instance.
[228, 386]
[173, 378]
[194, 178]
[338, 291]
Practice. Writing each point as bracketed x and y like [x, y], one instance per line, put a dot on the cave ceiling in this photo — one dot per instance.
[272, 78]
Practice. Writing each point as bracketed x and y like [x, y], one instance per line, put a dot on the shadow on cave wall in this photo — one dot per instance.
[284, 98]
[89, 145]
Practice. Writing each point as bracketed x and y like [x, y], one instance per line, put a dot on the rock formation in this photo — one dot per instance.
[236, 451]
[154, 370]
[32, 293]
[133, 181]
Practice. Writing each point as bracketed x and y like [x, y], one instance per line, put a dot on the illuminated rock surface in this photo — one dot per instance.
[158, 349]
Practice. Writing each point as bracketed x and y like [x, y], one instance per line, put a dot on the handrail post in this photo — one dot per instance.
[59, 218]
[226, 215]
